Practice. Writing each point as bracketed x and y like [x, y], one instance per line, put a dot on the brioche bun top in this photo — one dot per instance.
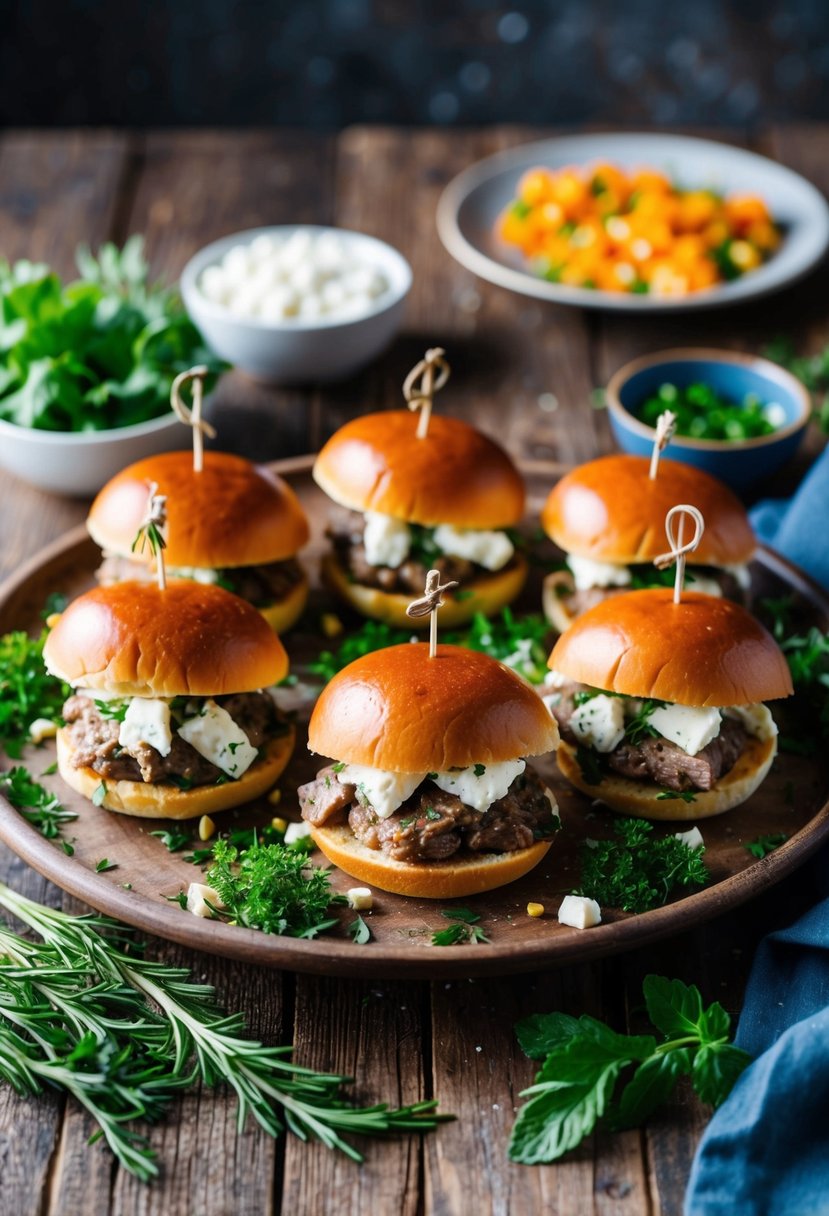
[702, 651]
[610, 510]
[455, 475]
[232, 513]
[133, 640]
[398, 710]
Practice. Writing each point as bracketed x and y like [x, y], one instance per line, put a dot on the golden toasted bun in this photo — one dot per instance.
[641, 798]
[232, 513]
[149, 801]
[487, 594]
[430, 879]
[611, 511]
[702, 651]
[455, 475]
[398, 710]
[285, 612]
[134, 640]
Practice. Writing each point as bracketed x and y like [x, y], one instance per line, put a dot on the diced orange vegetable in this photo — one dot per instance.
[535, 187]
[696, 209]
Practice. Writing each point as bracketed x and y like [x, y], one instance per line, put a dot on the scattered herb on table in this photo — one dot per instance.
[105, 864]
[175, 839]
[27, 691]
[811, 370]
[99, 794]
[465, 928]
[36, 804]
[637, 871]
[584, 1062]
[95, 354]
[149, 1033]
[763, 845]
[703, 413]
[360, 932]
[371, 636]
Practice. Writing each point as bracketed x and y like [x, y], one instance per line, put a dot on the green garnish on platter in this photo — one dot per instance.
[703, 413]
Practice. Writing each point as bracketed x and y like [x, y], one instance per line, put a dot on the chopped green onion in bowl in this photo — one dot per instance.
[703, 413]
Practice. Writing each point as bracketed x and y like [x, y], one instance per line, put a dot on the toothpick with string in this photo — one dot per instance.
[680, 551]
[419, 397]
[192, 416]
[665, 427]
[428, 606]
[150, 533]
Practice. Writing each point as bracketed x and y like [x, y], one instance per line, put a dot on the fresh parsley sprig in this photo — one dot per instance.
[36, 804]
[763, 845]
[585, 1060]
[637, 871]
[27, 691]
[83, 1011]
[465, 928]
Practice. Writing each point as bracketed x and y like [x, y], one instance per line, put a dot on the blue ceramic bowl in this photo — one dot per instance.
[739, 463]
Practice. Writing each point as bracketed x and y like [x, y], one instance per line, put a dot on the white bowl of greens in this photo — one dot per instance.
[86, 369]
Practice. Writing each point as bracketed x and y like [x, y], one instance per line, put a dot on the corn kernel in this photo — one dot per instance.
[275, 797]
[206, 827]
[331, 624]
[279, 825]
[535, 909]
[360, 898]
[52, 620]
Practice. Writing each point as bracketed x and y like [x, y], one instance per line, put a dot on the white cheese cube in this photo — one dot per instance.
[693, 838]
[775, 414]
[383, 791]
[147, 721]
[236, 265]
[579, 912]
[386, 540]
[329, 253]
[199, 896]
[280, 302]
[333, 295]
[360, 898]
[600, 722]
[261, 247]
[42, 728]
[215, 735]
[587, 573]
[296, 249]
[307, 278]
[214, 285]
[691, 727]
[296, 831]
[492, 550]
[479, 789]
[556, 679]
[196, 573]
[756, 719]
[310, 307]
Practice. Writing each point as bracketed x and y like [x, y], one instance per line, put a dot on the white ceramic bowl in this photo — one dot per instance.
[296, 349]
[80, 462]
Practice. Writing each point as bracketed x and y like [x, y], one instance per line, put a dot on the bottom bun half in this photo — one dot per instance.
[641, 798]
[150, 801]
[431, 879]
[282, 614]
[487, 594]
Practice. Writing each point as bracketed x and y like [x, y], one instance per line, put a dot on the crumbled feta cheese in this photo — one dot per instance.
[556, 679]
[492, 550]
[147, 721]
[480, 785]
[383, 791]
[196, 574]
[705, 586]
[199, 897]
[42, 728]
[387, 540]
[579, 912]
[600, 722]
[297, 831]
[359, 898]
[693, 838]
[691, 727]
[587, 573]
[756, 719]
[215, 735]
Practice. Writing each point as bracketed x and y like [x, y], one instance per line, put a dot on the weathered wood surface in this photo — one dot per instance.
[524, 370]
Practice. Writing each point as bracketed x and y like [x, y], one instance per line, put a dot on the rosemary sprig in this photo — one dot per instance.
[83, 1011]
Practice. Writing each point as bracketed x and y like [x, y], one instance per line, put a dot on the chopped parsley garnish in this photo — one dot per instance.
[360, 932]
[115, 711]
[637, 727]
[432, 814]
[637, 871]
[27, 691]
[36, 804]
[338, 767]
[763, 845]
[105, 864]
[668, 795]
[99, 793]
[182, 783]
[479, 770]
[464, 929]
[590, 764]
[174, 839]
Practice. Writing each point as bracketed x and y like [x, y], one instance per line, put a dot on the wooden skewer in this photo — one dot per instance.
[421, 398]
[679, 551]
[429, 604]
[192, 417]
[665, 427]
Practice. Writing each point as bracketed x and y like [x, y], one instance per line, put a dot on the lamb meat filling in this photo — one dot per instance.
[433, 825]
[658, 760]
[346, 535]
[579, 602]
[94, 740]
[259, 585]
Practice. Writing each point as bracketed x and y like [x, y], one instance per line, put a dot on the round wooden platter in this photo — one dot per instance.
[793, 800]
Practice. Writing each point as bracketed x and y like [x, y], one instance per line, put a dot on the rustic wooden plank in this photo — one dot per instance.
[375, 1032]
[194, 187]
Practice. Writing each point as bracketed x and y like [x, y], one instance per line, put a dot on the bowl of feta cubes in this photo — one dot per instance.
[290, 304]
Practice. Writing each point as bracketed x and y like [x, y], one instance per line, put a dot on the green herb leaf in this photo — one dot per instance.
[637, 871]
[465, 929]
[479, 770]
[272, 888]
[360, 932]
[541, 1032]
[99, 794]
[173, 839]
[104, 864]
[764, 845]
[36, 804]
[27, 691]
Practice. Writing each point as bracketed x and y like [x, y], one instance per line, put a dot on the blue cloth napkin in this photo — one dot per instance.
[799, 527]
[766, 1150]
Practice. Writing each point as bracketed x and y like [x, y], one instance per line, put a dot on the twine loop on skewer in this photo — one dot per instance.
[192, 416]
[679, 550]
[429, 604]
[419, 397]
[665, 427]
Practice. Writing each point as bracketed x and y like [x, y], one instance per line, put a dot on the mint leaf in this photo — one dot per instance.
[651, 1085]
[558, 1118]
[716, 1069]
[541, 1032]
[673, 1007]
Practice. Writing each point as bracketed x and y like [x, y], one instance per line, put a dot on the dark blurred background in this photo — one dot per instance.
[328, 63]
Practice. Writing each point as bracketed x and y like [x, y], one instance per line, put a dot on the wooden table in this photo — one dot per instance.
[525, 371]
